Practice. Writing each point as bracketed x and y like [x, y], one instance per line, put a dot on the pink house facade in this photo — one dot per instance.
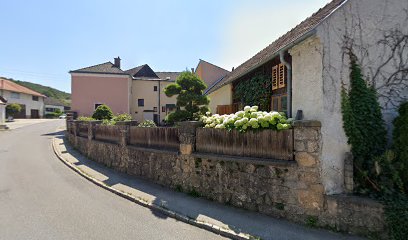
[105, 83]
[137, 91]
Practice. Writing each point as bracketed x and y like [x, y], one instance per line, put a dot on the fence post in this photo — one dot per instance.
[307, 148]
[75, 132]
[187, 135]
[123, 136]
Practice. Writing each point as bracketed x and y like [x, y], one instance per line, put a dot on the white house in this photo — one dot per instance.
[52, 104]
[32, 102]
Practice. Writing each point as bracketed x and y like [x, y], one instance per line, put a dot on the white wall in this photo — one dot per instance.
[2, 113]
[27, 100]
[321, 67]
[222, 96]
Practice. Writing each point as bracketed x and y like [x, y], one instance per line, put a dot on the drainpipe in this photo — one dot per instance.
[289, 82]
[158, 107]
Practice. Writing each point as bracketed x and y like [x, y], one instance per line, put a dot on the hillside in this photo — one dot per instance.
[47, 91]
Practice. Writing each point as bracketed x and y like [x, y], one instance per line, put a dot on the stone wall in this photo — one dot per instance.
[280, 188]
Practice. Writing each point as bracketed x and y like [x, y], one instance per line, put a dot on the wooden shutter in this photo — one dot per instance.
[281, 82]
[275, 76]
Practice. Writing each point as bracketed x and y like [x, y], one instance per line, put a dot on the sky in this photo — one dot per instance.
[41, 41]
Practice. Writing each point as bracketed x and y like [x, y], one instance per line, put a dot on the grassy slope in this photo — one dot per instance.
[47, 91]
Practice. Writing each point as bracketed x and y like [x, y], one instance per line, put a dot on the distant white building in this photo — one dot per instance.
[32, 102]
[51, 105]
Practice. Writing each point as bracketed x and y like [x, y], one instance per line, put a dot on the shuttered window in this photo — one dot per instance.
[275, 77]
[281, 82]
[278, 76]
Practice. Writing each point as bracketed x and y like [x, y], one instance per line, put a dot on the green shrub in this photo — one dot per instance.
[83, 118]
[147, 123]
[122, 117]
[13, 109]
[52, 115]
[108, 122]
[400, 137]
[363, 125]
[248, 119]
[102, 112]
[58, 111]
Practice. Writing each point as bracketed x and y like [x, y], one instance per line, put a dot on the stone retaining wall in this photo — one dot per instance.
[287, 189]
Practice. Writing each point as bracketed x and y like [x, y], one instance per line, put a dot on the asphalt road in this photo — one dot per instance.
[41, 198]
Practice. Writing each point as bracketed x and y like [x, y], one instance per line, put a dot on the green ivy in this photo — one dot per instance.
[363, 125]
[255, 92]
[378, 173]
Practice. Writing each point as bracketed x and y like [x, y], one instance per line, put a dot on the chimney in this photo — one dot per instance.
[192, 70]
[233, 68]
[117, 62]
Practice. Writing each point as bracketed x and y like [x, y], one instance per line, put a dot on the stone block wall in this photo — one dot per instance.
[280, 188]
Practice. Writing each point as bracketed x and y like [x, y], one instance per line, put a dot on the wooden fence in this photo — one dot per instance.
[107, 133]
[83, 129]
[159, 137]
[262, 144]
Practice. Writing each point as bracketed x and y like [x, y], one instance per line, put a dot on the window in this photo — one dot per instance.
[155, 88]
[15, 95]
[155, 109]
[50, 109]
[140, 102]
[97, 105]
[278, 76]
[35, 98]
[279, 103]
[163, 109]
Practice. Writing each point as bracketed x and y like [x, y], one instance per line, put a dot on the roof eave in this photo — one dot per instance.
[89, 72]
[287, 47]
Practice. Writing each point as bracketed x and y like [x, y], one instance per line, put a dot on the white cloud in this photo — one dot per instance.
[253, 25]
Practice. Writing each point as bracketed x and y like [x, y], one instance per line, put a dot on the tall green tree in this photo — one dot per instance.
[191, 101]
[363, 124]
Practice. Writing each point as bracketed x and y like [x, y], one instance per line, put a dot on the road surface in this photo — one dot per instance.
[41, 198]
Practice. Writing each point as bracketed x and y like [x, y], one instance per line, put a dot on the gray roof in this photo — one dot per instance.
[104, 68]
[142, 72]
[274, 48]
[134, 70]
[172, 75]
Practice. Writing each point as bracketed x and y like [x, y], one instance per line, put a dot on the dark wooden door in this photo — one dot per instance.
[35, 113]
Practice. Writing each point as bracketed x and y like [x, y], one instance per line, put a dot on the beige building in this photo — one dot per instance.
[212, 74]
[148, 99]
[137, 91]
[31, 102]
[308, 66]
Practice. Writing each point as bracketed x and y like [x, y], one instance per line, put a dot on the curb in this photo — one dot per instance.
[180, 217]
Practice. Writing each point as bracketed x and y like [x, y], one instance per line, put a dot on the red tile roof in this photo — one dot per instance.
[290, 37]
[14, 87]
